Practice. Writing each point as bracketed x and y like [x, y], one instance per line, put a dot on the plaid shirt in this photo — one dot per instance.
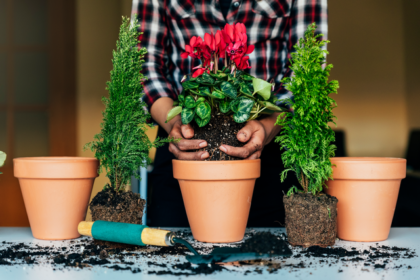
[273, 26]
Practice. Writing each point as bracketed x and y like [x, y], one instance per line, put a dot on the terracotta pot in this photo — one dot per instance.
[217, 197]
[367, 191]
[56, 192]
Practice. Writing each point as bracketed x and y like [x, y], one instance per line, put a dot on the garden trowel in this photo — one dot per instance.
[143, 235]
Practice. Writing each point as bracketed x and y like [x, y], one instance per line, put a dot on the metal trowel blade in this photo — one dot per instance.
[229, 254]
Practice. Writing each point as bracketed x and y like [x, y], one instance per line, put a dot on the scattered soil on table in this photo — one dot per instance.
[311, 220]
[85, 253]
[112, 206]
[220, 130]
[265, 243]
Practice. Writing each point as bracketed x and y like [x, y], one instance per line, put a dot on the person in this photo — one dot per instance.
[273, 27]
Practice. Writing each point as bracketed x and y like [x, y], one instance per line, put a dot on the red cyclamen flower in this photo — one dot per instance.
[193, 49]
[242, 63]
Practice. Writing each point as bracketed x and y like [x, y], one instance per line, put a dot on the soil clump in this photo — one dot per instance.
[265, 243]
[123, 207]
[311, 220]
[220, 130]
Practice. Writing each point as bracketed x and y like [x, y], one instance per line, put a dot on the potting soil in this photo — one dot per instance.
[123, 207]
[311, 220]
[220, 130]
[85, 253]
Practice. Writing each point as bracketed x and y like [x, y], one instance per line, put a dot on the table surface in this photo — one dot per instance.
[400, 237]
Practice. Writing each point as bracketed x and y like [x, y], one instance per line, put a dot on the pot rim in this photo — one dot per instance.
[216, 170]
[369, 159]
[53, 159]
[215, 162]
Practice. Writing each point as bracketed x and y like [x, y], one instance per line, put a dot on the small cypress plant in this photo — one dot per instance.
[122, 146]
[306, 136]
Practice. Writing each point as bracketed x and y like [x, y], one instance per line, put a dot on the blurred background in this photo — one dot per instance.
[55, 57]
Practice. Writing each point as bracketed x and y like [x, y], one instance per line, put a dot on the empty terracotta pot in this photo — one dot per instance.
[217, 196]
[56, 192]
[367, 191]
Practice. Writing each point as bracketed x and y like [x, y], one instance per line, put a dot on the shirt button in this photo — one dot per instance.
[236, 4]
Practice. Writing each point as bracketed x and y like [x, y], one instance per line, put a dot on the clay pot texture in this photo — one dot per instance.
[56, 192]
[367, 191]
[217, 196]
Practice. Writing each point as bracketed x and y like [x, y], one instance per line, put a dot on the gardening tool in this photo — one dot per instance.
[143, 235]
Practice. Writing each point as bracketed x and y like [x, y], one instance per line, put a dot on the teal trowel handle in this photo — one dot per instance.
[126, 233]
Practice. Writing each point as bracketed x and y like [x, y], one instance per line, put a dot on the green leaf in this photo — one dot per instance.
[229, 90]
[189, 102]
[173, 113]
[187, 115]
[247, 77]
[200, 99]
[240, 117]
[224, 106]
[204, 91]
[2, 158]
[262, 87]
[234, 105]
[218, 94]
[181, 99]
[190, 85]
[246, 90]
[271, 106]
[201, 122]
[205, 79]
[203, 110]
[218, 75]
[245, 105]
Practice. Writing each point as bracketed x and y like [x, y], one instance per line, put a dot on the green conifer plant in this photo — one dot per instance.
[306, 135]
[122, 146]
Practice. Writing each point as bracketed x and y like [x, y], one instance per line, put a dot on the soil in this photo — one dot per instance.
[311, 220]
[220, 130]
[85, 253]
[264, 242]
[124, 207]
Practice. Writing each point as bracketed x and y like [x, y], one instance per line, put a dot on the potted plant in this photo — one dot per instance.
[306, 139]
[122, 146]
[218, 99]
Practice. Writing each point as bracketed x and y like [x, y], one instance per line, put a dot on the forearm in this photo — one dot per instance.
[159, 111]
[271, 130]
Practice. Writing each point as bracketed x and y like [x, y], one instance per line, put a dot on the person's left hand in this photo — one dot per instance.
[257, 134]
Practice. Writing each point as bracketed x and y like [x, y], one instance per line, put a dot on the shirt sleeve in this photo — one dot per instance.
[152, 18]
[303, 13]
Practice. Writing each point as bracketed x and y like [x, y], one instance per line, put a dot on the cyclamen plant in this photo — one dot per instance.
[229, 90]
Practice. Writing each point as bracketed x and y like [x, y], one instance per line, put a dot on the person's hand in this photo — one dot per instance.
[180, 148]
[257, 134]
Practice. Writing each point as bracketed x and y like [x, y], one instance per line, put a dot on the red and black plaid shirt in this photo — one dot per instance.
[273, 26]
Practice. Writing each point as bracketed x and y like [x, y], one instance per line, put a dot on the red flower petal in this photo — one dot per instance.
[229, 31]
[192, 41]
[184, 55]
[188, 48]
[198, 72]
[207, 38]
[250, 49]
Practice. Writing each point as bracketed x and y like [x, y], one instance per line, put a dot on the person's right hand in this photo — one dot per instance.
[184, 132]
